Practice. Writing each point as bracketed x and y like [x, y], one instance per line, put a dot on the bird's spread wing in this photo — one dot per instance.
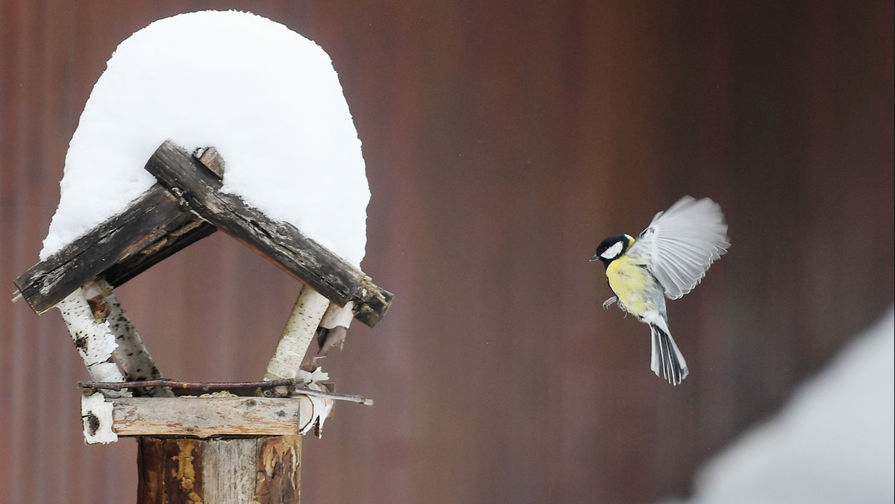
[681, 243]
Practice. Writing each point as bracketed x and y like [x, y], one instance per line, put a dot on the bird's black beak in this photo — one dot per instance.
[594, 258]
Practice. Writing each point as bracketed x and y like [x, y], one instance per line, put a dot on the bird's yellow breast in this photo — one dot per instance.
[632, 284]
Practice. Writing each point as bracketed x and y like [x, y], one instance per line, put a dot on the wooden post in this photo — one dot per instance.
[262, 470]
[187, 451]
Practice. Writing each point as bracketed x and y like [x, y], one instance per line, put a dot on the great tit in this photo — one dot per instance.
[668, 259]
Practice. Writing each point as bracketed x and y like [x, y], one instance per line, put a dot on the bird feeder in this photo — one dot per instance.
[202, 442]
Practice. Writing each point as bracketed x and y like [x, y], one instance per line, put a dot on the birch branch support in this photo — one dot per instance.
[94, 340]
[131, 355]
[297, 335]
[333, 328]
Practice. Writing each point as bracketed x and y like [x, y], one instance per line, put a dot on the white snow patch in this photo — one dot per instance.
[833, 442]
[267, 98]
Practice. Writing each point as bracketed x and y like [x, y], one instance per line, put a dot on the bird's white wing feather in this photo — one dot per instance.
[681, 243]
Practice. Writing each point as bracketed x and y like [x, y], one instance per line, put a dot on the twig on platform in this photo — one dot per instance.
[207, 387]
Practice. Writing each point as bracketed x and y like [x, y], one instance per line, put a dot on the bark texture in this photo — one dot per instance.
[262, 470]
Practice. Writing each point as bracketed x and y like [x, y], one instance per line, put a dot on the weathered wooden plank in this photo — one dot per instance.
[204, 417]
[280, 242]
[164, 247]
[147, 220]
[176, 240]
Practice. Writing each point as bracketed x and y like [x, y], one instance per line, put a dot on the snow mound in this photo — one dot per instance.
[833, 442]
[267, 98]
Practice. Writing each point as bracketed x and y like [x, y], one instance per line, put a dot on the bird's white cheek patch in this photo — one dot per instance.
[612, 251]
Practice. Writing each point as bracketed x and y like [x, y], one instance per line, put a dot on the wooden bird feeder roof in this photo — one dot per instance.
[185, 206]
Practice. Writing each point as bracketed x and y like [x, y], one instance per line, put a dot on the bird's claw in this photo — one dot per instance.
[609, 302]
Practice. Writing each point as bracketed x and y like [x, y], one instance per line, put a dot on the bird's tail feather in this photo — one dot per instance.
[667, 356]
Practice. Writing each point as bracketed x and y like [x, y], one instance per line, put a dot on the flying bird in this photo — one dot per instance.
[668, 259]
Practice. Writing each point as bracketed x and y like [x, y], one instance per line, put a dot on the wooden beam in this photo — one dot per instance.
[280, 242]
[200, 417]
[166, 246]
[122, 239]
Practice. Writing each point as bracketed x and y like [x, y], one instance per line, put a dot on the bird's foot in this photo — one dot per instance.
[609, 302]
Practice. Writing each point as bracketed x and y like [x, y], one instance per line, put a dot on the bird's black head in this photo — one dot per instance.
[612, 248]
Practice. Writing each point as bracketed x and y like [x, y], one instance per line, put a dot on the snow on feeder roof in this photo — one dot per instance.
[265, 97]
[269, 101]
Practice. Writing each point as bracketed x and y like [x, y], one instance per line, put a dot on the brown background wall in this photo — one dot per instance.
[503, 140]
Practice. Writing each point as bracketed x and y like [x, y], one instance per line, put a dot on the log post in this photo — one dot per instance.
[262, 470]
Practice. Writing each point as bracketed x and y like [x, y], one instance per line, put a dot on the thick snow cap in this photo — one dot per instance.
[267, 98]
